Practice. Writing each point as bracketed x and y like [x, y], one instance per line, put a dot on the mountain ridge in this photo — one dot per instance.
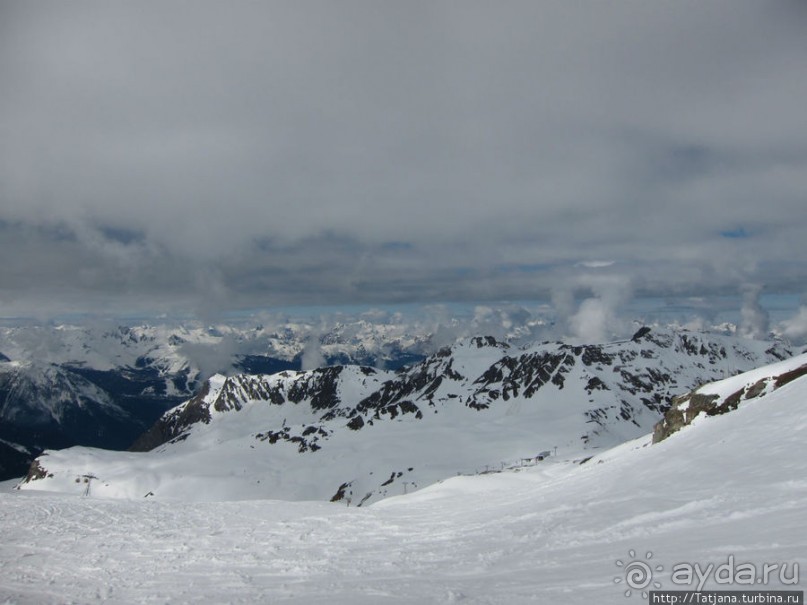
[140, 372]
[361, 434]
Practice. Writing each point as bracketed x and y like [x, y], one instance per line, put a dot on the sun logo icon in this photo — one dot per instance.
[638, 574]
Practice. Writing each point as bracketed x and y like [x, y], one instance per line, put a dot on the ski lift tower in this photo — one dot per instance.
[88, 481]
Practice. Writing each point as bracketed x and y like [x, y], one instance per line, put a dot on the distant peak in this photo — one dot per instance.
[487, 341]
[640, 333]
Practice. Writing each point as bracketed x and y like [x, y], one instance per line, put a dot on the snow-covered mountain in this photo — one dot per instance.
[47, 405]
[99, 386]
[724, 493]
[102, 386]
[357, 434]
[174, 348]
[53, 397]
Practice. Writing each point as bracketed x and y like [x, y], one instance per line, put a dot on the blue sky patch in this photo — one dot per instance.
[739, 233]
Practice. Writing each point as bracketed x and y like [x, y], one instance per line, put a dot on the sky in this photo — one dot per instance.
[208, 156]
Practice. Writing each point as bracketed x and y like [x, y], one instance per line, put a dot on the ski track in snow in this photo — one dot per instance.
[732, 484]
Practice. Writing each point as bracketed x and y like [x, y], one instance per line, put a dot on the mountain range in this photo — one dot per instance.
[103, 386]
[357, 434]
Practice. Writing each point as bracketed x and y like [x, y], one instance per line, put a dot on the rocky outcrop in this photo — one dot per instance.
[681, 413]
[175, 422]
[317, 389]
[686, 408]
[36, 471]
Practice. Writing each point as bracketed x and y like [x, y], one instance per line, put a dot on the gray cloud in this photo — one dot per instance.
[795, 328]
[754, 319]
[597, 317]
[312, 356]
[206, 156]
[214, 357]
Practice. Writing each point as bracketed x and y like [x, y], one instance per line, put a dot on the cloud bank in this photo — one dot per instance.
[202, 156]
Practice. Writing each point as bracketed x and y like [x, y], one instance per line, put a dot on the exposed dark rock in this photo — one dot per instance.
[676, 418]
[487, 341]
[37, 471]
[777, 352]
[307, 440]
[593, 355]
[419, 382]
[356, 423]
[783, 379]
[595, 384]
[687, 407]
[341, 492]
[174, 423]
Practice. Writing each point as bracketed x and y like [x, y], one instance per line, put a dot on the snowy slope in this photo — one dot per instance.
[357, 435]
[560, 532]
[773, 373]
[53, 393]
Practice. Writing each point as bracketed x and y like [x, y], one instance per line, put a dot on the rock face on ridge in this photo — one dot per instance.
[319, 388]
[686, 408]
[623, 381]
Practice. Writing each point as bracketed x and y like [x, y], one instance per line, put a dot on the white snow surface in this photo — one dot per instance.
[724, 388]
[730, 485]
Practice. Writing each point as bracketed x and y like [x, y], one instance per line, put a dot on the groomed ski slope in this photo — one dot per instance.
[727, 485]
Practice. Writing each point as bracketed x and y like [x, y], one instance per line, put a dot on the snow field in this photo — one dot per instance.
[733, 484]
